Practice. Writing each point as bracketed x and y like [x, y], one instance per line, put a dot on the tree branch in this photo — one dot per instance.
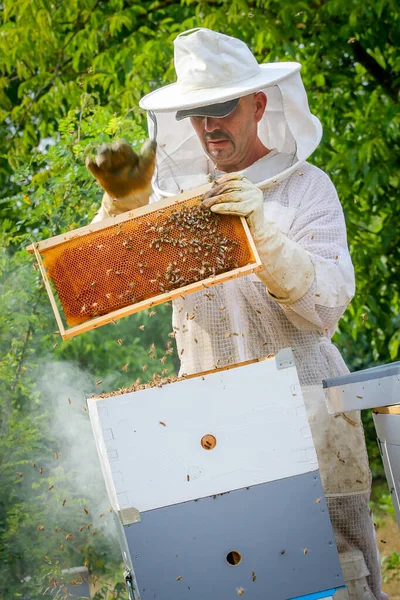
[383, 77]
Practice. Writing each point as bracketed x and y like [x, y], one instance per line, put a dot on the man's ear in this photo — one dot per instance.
[260, 104]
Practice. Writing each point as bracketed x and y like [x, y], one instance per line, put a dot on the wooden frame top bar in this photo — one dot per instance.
[112, 221]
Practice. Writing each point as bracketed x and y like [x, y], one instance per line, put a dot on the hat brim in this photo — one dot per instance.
[218, 110]
[175, 97]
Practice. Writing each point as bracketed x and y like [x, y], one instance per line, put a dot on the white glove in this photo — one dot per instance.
[124, 175]
[288, 270]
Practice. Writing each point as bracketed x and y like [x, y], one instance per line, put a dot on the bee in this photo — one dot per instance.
[124, 368]
[144, 368]
[41, 470]
[142, 327]
[19, 474]
[68, 536]
[163, 359]
[56, 455]
[99, 382]
[179, 577]
[40, 527]
[120, 342]
[253, 576]
[162, 423]
[85, 510]
[240, 591]
[305, 550]
[64, 502]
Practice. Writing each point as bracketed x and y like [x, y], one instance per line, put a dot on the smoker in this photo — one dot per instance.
[214, 483]
[377, 388]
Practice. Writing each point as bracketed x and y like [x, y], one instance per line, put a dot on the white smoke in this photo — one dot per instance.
[64, 388]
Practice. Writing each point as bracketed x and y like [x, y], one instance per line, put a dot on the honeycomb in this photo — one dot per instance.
[144, 257]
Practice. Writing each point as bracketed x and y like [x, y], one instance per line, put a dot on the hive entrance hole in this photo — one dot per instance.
[233, 558]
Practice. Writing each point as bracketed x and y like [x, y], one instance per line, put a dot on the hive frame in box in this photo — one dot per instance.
[93, 323]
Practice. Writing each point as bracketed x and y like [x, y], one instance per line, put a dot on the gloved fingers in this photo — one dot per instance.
[228, 186]
[120, 170]
[92, 167]
[122, 154]
[225, 206]
[147, 159]
[112, 157]
[103, 157]
[148, 148]
[230, 177]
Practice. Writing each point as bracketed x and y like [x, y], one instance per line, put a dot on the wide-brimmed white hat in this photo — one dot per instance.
[212, 67]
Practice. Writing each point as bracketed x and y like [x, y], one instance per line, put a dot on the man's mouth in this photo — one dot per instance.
[217, 141]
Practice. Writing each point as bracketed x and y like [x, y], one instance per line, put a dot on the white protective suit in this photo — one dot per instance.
[241, 319]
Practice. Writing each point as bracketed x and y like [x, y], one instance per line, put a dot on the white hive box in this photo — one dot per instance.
[247, 514]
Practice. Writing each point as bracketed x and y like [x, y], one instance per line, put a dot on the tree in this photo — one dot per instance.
[71, 77]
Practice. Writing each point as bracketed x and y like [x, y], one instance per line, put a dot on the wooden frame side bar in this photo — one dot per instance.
[49, 291]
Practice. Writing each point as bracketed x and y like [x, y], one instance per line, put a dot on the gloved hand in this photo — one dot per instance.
[124, 175]
[288, 270]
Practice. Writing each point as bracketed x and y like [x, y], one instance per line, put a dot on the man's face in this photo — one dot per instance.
[230, 141]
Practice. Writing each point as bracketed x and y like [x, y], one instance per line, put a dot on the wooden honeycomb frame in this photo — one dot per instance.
[85, 232]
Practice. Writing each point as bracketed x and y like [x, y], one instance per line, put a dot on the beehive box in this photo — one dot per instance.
[215, 486]
[111, 269]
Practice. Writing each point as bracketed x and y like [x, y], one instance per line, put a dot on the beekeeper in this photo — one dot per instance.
[248, 128]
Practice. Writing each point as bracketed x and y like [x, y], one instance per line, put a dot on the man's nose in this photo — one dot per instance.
[211, 124]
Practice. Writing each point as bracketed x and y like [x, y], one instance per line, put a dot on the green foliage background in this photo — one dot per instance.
[71, 75]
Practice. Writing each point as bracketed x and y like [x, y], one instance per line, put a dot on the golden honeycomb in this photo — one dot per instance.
[143, 257]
